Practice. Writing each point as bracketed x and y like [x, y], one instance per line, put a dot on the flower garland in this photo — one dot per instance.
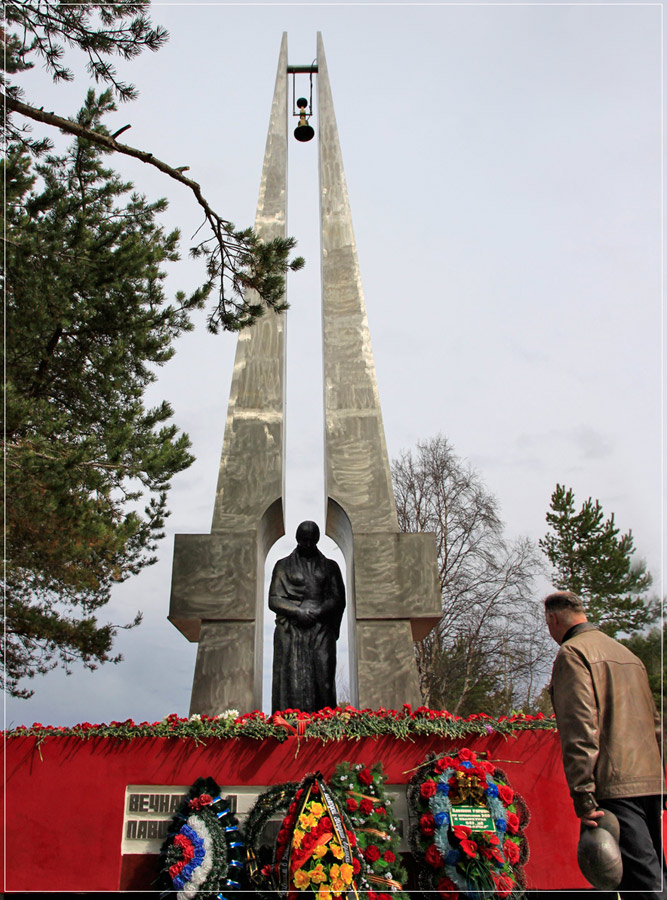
[204, 850]
[326, 725]
[455, 859]
[362, 795]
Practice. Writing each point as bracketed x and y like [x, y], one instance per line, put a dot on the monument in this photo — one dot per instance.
[393, 596]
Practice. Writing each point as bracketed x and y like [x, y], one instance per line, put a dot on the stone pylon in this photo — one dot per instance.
[392, 578]
[218, 578]
[393, 596]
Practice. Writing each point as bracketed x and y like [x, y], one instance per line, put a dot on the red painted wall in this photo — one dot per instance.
[64, 801]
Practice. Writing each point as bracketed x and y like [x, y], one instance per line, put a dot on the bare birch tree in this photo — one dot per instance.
[487, 652]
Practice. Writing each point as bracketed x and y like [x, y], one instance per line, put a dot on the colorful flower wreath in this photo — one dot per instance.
[479, 861]
[203, 851]
[315, 848]
[362, 796]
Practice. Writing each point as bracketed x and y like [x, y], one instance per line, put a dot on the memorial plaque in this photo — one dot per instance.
[149, 810]
[477, 818]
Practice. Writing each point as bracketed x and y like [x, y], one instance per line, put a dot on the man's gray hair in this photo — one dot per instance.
[563, 600]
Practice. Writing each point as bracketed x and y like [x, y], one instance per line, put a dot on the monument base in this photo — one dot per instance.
[93, 811]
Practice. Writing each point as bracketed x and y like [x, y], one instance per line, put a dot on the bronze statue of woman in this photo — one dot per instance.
[307, 595]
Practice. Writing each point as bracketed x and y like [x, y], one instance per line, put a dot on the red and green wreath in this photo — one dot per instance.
[362, 795]
[456, 859]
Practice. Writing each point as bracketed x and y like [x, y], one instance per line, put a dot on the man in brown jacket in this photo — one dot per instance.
[610, 738]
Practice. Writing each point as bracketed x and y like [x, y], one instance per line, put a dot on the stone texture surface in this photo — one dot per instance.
[219, 578]
[392, 579]
[387, 668]
[224, 672]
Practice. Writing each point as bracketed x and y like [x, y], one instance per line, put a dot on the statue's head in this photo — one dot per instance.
[307, 536]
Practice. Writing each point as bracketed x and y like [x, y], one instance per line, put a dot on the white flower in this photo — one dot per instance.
[195, 717]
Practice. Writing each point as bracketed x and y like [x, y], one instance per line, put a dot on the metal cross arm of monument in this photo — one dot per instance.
[392, 592]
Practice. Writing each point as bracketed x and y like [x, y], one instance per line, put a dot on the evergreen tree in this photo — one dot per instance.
[245, 275]
[87, 323]
[649, 648]
[590, 558]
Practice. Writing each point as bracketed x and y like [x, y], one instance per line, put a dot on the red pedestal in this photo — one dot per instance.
[65, 800]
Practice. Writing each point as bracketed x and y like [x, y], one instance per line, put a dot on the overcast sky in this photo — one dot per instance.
[504, 170]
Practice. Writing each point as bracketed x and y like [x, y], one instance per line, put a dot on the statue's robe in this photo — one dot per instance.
[304, 656]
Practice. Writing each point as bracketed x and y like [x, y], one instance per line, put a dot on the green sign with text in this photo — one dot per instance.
[477, 818]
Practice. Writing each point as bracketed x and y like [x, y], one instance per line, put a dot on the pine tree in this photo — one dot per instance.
[87, 323]
[590, 558]
[245, 275]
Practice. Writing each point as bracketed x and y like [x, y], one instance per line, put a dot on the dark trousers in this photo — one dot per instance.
[644, 872]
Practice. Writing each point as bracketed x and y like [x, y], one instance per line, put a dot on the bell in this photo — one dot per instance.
[303, 131]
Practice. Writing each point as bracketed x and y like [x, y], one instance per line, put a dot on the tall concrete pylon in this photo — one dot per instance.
[393, 596]
[218, 578]
[392, 578]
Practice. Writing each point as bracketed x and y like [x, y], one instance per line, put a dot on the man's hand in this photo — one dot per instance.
[304, 615]
[589, 818]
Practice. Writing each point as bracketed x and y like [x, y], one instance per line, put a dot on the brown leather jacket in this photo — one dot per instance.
[609, 727]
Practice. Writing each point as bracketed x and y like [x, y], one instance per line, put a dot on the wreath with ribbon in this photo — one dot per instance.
[204, 851]
[315, 849]
[455, 859]
[363, 797]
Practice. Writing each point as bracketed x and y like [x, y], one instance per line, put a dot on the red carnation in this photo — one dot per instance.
[381, 811]
[491, 838]
[469, 848]
[506, 794]
[291, 809]
[462, 832]
[365, 777]
[351, 804]
[372, 853]
[511, 852]
[351, 838]
[433, 857]
[448, 889]
[388, 856]
[428, 789]
[467, 755]
[366, 806]
[427, 825]
[512, 823]
[309, 840]
[356, 865]
[504, 885]
[326, 824]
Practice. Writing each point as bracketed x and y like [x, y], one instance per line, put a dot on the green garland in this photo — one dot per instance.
[260, 856]
[326, 725]
[362, 795]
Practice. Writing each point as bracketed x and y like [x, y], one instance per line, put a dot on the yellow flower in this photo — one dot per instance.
[318, 875]
[320, 851]
[337, 851]
[334, 871]
[346, 873]
[316, 809]
[337, 886]
[324, 893]
[307, 820]
[301, 879]
[297, 837]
